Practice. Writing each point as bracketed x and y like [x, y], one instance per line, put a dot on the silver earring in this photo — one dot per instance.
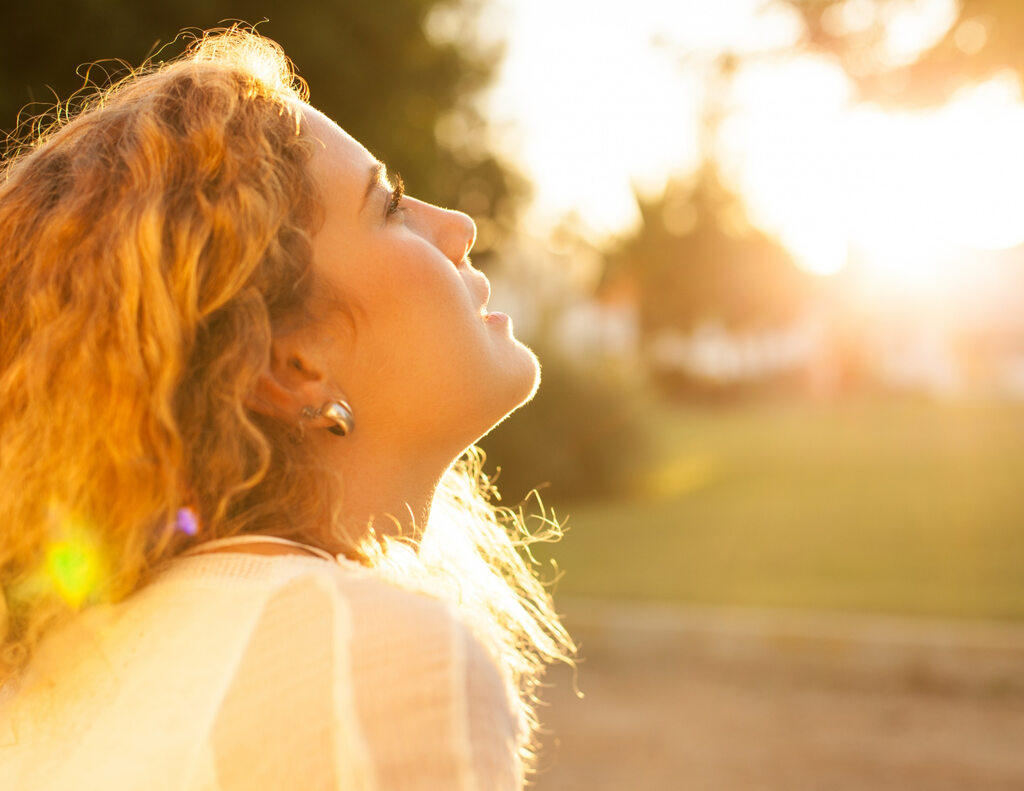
[338, 411]
[341, 413]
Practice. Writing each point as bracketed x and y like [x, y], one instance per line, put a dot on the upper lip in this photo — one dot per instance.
[487, 292]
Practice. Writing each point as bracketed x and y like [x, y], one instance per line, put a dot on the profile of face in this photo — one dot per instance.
[405, 336]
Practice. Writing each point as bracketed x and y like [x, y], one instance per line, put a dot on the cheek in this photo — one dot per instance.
[421, 291]
[417, 314]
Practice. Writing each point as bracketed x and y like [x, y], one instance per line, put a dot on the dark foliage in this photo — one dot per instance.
[370, 66]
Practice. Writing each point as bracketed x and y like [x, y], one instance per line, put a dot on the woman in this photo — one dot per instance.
[236, 367]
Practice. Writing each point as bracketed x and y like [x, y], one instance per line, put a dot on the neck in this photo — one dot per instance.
[381, 486]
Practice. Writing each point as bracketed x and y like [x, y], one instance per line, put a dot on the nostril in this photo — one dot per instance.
[470, 232]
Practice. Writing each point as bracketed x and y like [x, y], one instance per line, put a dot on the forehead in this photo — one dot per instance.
[340, 163]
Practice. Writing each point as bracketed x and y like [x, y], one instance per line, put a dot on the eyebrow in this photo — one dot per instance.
[377, 172]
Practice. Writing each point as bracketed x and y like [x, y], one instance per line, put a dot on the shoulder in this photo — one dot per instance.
[299, 587]
[417, 693]
[436, 708]
[376, 627]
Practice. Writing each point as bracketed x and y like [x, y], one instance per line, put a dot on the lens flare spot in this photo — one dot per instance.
[74, 570]
[187, 521]
[74, 563]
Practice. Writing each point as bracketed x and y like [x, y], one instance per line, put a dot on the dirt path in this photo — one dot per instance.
[759, 702]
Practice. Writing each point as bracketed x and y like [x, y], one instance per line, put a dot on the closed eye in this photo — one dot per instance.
[397, 193]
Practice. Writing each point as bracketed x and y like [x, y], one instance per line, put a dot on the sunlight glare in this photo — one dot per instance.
[783, 148]
[596, 110]
[599, 101]
[825, 174]
[912, 26]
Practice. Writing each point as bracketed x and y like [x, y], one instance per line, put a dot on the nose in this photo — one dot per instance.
[453, 232]
[457, 235]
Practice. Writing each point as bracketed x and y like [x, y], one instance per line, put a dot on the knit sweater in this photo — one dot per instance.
[243, 672]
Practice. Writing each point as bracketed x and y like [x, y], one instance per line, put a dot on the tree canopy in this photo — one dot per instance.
[983, 41]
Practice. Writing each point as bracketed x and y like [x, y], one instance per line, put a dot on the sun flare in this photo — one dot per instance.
[903, 189]
[609, 111]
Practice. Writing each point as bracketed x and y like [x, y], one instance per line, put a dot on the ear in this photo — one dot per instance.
[291, 381]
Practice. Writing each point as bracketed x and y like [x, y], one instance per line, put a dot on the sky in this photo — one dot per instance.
[598, 100]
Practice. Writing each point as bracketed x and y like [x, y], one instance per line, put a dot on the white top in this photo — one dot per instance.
[242, 672]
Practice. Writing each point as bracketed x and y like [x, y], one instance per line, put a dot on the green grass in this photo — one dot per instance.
[897, 507]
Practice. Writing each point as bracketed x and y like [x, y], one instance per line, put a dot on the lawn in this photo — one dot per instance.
[880, 506]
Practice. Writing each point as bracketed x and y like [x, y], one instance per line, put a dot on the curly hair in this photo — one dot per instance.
[151, 244]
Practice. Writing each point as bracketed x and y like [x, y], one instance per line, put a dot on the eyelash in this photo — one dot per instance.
[394, 202]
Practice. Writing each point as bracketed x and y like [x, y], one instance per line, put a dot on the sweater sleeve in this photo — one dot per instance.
[493, 728]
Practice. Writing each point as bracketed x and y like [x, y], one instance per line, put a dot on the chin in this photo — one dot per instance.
[519, 384]
[530, 377]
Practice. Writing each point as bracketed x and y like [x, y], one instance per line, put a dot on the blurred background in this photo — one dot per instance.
[771, 255]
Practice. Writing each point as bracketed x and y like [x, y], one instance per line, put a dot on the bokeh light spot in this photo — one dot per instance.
[680, 477]
[971, 36]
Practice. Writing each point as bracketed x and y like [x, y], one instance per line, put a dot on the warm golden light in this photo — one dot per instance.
[904, 189]
[610, 109]
[596, 101]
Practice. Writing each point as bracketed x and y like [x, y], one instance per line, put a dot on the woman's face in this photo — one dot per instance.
[414, 350]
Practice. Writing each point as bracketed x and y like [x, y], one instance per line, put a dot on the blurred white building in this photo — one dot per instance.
[711, 352]
[967, 340]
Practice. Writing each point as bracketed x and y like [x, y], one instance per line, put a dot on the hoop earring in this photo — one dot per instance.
[338, 411]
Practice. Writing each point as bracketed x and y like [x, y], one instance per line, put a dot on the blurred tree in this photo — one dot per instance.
[983, 40]
[399, 76]
[695, 259]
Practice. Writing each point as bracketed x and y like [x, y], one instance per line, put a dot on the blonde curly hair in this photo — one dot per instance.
[151, 244]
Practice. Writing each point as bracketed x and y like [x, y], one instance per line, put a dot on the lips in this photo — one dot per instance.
[496, 318]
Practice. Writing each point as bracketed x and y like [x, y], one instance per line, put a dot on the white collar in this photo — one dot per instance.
[232, 540]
